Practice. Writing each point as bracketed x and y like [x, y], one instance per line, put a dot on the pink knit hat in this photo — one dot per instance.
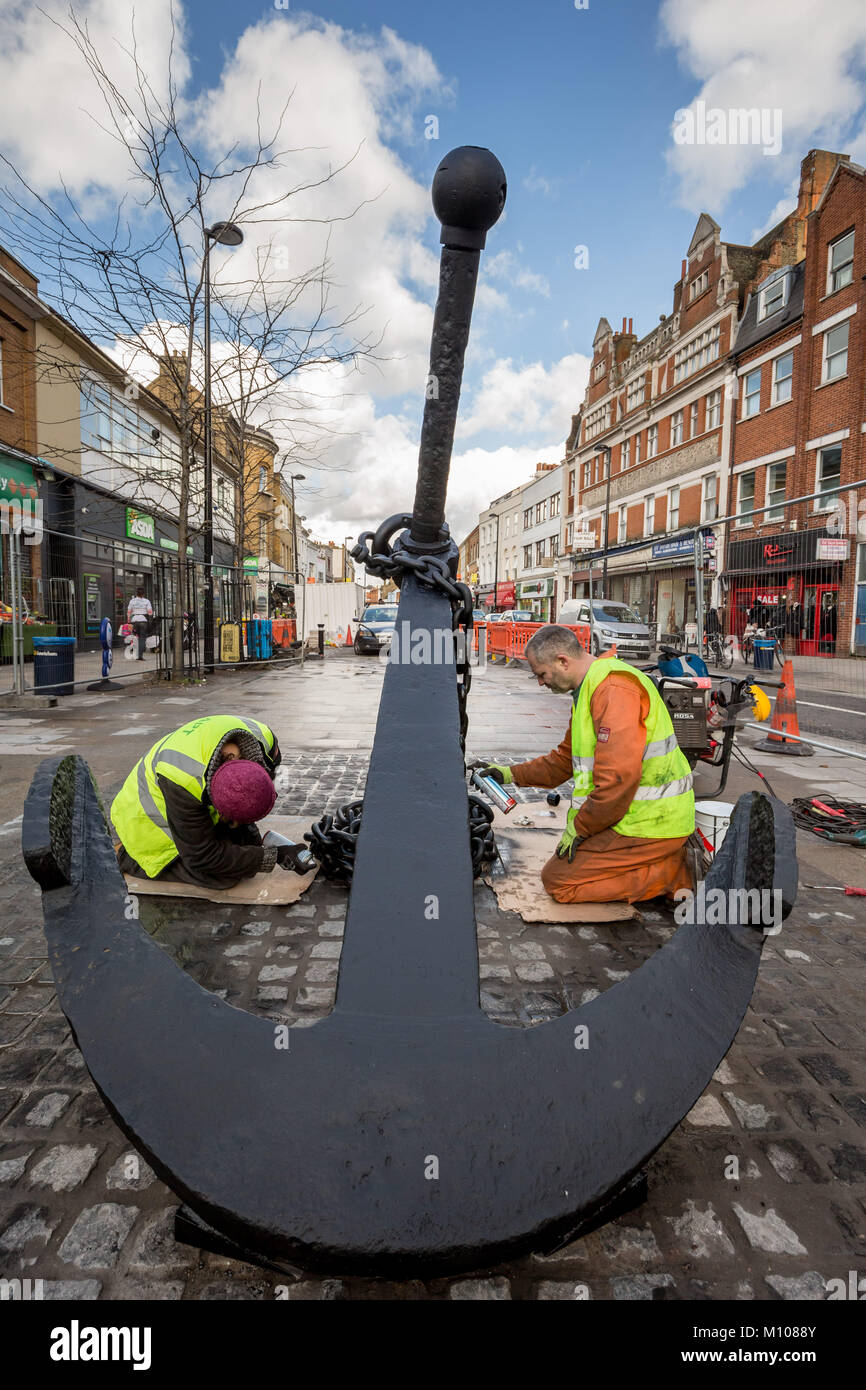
[241, 790]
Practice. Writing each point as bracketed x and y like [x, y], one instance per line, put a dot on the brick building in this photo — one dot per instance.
[799, 427]
[663, 407]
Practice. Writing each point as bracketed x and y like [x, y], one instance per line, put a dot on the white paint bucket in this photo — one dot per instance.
[713, 819]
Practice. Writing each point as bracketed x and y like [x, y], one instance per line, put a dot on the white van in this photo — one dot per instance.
[612, 623]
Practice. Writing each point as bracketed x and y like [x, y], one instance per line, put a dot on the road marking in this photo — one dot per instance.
[838, 708]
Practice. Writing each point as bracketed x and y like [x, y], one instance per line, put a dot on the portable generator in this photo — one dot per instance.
[688, 706]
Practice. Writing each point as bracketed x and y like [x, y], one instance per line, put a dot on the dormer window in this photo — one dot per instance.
[773, 297]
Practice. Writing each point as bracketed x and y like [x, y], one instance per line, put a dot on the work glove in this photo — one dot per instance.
[296, 857]
[567, 846]
[499, 772]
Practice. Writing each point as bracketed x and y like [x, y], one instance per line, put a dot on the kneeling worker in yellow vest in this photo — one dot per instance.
[188, 809]
[632, 807]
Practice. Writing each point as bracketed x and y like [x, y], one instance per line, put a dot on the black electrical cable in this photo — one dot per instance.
[850, 820]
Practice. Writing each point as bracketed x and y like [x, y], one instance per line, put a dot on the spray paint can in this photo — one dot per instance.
[497, 794]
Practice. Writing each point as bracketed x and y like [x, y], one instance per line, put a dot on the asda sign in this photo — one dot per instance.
[140, 526]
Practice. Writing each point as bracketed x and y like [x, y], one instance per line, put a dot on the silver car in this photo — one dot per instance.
[611, 624]
[376, 628]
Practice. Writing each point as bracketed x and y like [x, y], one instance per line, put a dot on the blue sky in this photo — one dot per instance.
[578, 104]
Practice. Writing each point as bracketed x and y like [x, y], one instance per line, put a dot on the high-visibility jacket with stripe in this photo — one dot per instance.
[138, 810]
[664, 803]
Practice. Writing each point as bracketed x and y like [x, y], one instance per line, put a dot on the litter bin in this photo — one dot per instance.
[764, 652]
[54, 665]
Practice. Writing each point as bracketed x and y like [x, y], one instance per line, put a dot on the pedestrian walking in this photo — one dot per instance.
[139, 613]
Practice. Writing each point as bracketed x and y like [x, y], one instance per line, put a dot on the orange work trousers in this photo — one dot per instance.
[609, 867]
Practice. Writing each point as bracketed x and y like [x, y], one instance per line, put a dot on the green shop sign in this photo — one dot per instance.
[16, 480]
[140, 526]
[251, 562]
[173, 545]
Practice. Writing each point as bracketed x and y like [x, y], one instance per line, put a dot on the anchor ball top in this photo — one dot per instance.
[468, 196]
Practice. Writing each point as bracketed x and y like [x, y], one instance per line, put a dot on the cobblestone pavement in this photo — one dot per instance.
[759, 1194]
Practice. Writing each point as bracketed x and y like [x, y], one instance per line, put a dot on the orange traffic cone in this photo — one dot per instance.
[785, 725]
[349, 642]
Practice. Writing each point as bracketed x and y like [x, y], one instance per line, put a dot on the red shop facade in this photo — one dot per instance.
[789, 584]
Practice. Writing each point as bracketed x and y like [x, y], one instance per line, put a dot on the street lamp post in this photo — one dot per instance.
[293, 478]
[496, 567]
[227, 234]
[606, 522]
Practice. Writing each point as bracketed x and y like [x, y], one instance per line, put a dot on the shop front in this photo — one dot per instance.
[19, 496]
[790, 584]
[505, 596]
[538, 595]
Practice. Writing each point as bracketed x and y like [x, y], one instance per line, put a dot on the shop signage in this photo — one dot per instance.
[831, 548]
[173, 545]
[681, 548]
[16, 480]
[536, 588]
[505, 593]
[584, 540]
[251, 563]
[140, 526]
[787, 551]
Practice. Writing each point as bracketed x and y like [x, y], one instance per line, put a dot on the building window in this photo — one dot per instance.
[539, 515]
[221, 494]
[710, 501]
[783, 376]
[752, 394]
[840, 266]
[829, 475]
[649, 515]
[507, 525]
[776, 481]
[652, 441]
[623, 523]
[263, 478]
[527, 516]
[773, 297]
[697, 353]
[569, 535]
[714, 410]
[597, 421]
[836, 352]
[554, 505]
[673, 509]
[676, 429]
[527, 557]
[637, 448]
[699, 284]
[635, 393]
[746, 498]
[554, 546]
[598, 371]
[693, 420]
[586, 473]
[539, 552]
[626, 450]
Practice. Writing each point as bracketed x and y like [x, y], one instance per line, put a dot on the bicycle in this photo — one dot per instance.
[717, 650]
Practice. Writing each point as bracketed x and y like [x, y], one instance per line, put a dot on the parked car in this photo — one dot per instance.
[375, 628]
[518, 615]
[611, 623]
[479, 615]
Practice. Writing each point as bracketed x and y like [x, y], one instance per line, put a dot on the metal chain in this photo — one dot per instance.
[333, 839]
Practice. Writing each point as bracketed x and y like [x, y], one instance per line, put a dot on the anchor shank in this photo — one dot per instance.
[458, 276]
[410, 945]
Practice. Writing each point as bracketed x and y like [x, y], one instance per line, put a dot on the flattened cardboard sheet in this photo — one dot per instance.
[276, 889]
[524, 851]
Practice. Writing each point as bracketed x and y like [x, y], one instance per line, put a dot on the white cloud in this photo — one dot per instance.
[505, 265]
[790, 55]
[349, 95]
[527, 401]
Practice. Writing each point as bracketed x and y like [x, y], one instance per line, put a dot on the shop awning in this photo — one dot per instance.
[17, 479]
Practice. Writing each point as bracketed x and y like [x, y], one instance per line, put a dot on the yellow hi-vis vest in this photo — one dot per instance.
[664, 803]
[138, 810]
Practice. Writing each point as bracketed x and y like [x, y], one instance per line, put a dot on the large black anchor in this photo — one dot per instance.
[406, 1132]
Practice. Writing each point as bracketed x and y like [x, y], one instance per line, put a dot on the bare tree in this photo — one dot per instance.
[139, 286]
